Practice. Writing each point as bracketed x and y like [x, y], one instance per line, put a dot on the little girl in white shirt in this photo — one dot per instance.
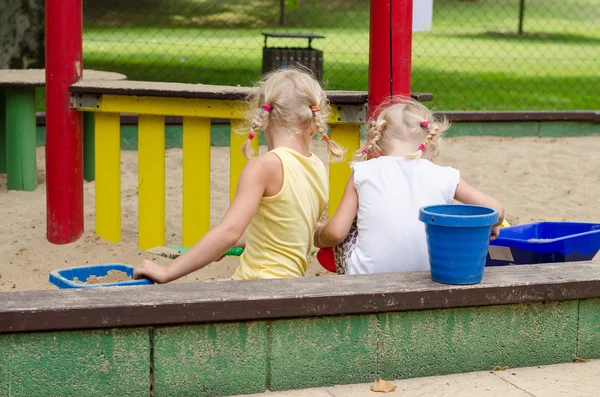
[376, 228]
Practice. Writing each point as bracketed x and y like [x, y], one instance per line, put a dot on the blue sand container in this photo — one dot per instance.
[63, 278]
[458, 237]
[545, 242]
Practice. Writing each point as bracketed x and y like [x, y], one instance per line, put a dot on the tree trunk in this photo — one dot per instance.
[22, 34]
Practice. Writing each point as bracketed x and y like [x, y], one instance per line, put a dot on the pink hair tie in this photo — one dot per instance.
[425, 124]
[268, 108]
[250, 137]
[364, 151]
[422, 147]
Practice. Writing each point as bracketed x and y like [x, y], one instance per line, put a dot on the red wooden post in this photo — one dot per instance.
[380, 60]
[64, 165]
[402, 13]
[390, 49]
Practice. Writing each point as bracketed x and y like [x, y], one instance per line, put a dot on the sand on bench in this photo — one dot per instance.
[537, 179]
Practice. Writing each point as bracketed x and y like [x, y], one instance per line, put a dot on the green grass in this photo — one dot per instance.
[471, 59]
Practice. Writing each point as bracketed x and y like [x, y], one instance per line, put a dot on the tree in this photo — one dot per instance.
[22, 34]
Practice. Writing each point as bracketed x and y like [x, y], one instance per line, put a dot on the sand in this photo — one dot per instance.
[112, 276]
[536, 179]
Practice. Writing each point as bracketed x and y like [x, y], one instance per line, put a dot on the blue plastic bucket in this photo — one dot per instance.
[458, 237]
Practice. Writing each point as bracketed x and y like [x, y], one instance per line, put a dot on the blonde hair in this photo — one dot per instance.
[405, 119]
[294, 102]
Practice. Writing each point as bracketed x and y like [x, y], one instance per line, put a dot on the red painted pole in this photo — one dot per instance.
[379, 53]
[390, 51]
[402, 13]
[64, 165]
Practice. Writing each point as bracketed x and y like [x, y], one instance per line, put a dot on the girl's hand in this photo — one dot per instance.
[316, 241]
[338, 227]
[467, 194]
[495, 233]
[151, 270]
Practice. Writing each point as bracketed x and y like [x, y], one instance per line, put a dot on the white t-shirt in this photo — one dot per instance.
[391, 190]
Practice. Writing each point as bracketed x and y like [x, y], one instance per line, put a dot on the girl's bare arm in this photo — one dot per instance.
[336, 230]
[251, 188]
[467, 194]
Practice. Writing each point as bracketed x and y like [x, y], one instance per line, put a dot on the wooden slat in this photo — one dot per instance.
[108, 176]
[37, 77]
[180, 90]
[170, 106]
[196, 179]
[289, 298]
[151, 181]
[347, 136]
[520, 116]
[524, 116]
[237, 160]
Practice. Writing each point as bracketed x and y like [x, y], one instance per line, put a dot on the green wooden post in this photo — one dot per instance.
[89, 151]
[2, 132]
[20, 138]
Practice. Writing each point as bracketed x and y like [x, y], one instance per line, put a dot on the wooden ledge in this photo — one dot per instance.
[523, 116]
[37, 77]
[267, 299]
[180, 90]
[483, 116]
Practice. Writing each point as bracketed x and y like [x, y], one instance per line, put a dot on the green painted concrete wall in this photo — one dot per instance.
[589, 329]
[220, 132]
[414, 344]
[210, 360]
[322, 351]
[113, 362]
[250, 357]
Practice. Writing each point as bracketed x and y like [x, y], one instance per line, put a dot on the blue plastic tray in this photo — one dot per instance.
[63, 278]
[545, 242]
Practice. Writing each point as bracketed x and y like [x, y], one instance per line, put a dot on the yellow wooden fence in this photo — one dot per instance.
[109, 100]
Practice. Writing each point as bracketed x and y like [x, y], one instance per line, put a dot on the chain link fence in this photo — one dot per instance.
[479, 54]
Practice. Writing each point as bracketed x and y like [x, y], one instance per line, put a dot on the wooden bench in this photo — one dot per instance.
[18, 123]
[243, 337]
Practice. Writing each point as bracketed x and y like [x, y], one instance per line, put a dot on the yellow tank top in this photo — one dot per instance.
[280, 235]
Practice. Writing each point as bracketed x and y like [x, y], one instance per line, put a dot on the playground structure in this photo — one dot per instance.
[245, 337]
[18, 124]
[197, 104]
[389, 75]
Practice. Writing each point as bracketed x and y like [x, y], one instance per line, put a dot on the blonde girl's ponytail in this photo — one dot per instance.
[259, 120]
[336, 153]
[434, 130]
[374, 135]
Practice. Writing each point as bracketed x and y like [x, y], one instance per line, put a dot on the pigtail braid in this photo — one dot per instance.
[336, 153]
[375, 134]
[429, 143]
[258, 122]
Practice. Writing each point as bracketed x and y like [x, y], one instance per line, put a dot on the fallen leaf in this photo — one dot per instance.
[581, 360]
[382, 386]
[500, 368]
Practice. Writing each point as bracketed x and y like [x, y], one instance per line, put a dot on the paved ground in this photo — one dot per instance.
[577, 379]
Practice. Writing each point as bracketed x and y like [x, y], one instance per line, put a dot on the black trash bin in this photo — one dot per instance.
[281, 57]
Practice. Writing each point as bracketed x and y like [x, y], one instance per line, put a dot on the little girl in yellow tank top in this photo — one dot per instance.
[280, 195]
